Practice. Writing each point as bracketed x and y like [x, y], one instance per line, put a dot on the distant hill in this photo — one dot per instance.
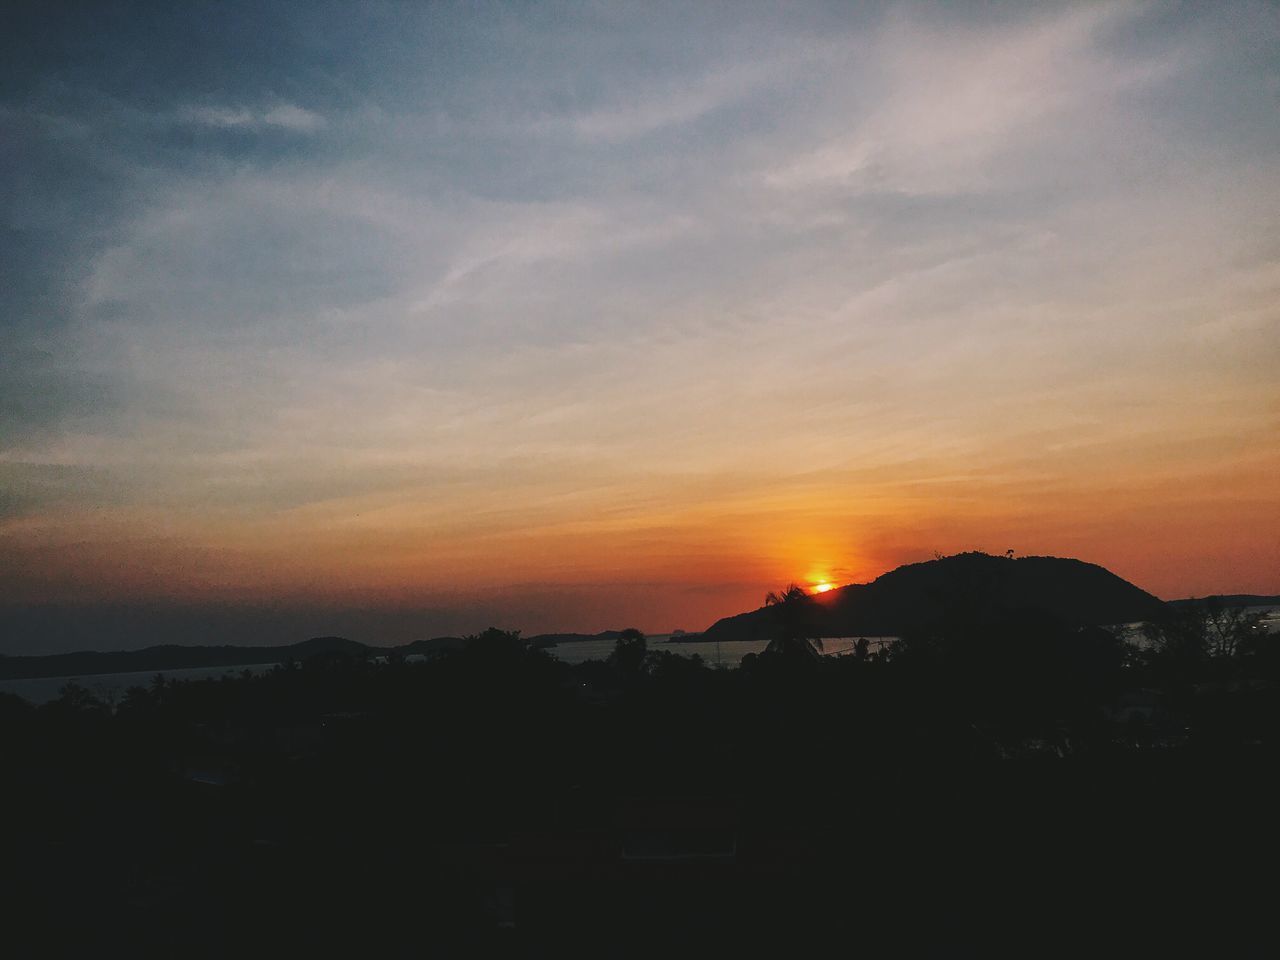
[968, 586]
[173, 657]
[1233, 600]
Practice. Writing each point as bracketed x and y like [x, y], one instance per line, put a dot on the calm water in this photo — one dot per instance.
[727, 654]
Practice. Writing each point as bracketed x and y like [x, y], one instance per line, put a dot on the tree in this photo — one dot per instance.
[495, 646]
[792, 630]
[630, 651]
[1230, 631]
[1203, 630]
[1178, 638]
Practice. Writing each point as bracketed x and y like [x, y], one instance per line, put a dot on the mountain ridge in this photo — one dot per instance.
[172, 656]
[967, 586]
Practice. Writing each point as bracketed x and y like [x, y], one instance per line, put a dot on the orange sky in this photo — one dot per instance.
[661, 553]
[581, 322]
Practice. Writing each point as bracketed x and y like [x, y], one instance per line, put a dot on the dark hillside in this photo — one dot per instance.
[972, 587]
[173, 657]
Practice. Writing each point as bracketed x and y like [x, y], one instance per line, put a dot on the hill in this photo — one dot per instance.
[965, 587]
[172, 657]
[177, 657]
[1232, 600]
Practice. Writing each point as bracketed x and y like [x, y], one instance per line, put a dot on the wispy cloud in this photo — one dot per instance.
[282, 116]
[943, 100]
[671, 104]
[743, 286]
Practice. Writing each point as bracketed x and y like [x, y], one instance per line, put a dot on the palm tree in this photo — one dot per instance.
[791, 627]
[792, 594]
[630, 651]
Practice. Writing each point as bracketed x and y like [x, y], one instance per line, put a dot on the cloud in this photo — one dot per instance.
[282, 116]
[671, 104]
[942, 101]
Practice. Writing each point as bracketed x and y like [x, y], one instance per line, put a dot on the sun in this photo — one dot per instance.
[821, 587]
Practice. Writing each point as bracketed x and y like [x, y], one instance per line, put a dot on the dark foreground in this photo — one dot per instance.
[1044, 792]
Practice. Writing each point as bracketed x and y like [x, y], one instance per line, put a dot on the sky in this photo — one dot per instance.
[401, 320]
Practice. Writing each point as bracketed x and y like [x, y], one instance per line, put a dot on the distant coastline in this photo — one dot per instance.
[753, 625]
[168, 657]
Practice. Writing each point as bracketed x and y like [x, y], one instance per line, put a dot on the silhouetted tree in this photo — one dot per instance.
[1195, 633]
[494, 645]
[1230, 631]
[629, 652]
[791, 627]
[667, 668]
[74, 698]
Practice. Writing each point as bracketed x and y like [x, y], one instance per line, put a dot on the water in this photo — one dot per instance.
[728, 653]
[1270, 616]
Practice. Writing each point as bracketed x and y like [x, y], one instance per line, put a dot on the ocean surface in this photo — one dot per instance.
[725, 655]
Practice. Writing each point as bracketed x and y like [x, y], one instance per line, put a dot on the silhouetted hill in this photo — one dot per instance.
[967, 587]
[1233, 600]
[326, 645]
[173, 657]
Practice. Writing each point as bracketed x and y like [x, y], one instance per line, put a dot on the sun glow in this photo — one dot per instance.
[821, 587]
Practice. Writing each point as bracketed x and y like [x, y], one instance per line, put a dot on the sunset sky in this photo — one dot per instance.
[404, 320]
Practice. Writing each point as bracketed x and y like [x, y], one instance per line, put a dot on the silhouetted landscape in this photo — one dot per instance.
[1001, 765]
[174, 657]
[964, 587]
[665, 479]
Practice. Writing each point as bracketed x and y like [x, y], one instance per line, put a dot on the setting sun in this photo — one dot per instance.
[821, 587]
